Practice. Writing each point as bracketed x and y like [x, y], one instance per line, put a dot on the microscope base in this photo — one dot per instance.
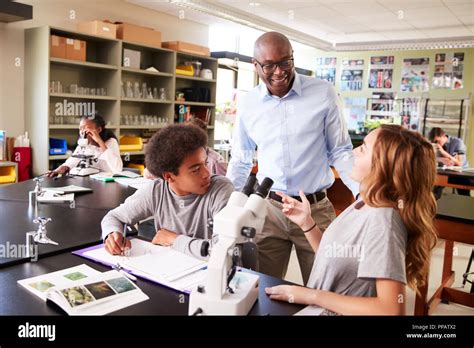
[245, 286]
[83, 171]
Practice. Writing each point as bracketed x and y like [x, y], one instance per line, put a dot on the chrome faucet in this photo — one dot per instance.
[38, 236]
[38, 191]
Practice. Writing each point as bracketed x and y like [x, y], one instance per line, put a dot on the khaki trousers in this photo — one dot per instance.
[279, 234]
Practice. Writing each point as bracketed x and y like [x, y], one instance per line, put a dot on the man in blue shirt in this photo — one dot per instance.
[299, 130]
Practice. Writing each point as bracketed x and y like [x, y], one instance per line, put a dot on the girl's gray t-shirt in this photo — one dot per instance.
[360, 246]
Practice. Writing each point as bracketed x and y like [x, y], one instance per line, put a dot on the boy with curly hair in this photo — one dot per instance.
[181, 201]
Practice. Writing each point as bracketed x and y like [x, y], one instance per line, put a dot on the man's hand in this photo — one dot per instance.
[114, 243]
[164, 237]
[292, 294]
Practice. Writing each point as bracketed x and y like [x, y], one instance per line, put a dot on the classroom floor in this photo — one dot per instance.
[459, 266]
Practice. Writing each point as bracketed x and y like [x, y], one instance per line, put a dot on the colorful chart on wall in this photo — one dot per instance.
[351, 75]
[326, 69]
[448, 72]
[415, 75]
[381, 71]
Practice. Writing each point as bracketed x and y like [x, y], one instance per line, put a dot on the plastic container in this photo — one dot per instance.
[186, 70]
[128, 143]
[140, 167]
[57, 146]
[196, 66]
[7, 175]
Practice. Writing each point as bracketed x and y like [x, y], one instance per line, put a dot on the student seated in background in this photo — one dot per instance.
[379, 243]
[181, 200]
[102, 143]
[450, 151]
[216, 162]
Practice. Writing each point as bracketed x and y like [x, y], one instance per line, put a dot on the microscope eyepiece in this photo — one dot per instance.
[249, 187]
[264, 188]
[205, 248]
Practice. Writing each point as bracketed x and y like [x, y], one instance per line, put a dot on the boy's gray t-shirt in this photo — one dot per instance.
[186, 215]
[358, 247]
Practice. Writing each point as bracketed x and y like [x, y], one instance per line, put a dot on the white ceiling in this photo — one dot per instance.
[326, 23]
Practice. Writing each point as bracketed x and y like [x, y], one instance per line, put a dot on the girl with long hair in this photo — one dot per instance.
[380, 243]
[102, 143]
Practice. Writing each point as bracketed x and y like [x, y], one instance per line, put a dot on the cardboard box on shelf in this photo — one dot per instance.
[138, 34]
[99, 28]
[57, 47]
[75, 49]
[186, 47]
[131, 58]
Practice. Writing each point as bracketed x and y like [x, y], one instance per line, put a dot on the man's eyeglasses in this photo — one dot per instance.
[285, 65]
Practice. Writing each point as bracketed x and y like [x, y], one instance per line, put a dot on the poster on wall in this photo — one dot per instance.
[383, 106]
[381, 71]
[326, 69]
[415, 75]
[354, 113]
[448, 72]
[410, 113]
[351, 75]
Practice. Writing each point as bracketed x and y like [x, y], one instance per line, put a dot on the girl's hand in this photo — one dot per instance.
[93, 134]
[292, 294]
[296, 211]
[60, 170]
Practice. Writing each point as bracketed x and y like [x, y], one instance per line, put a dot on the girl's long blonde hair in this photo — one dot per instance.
[402, 176]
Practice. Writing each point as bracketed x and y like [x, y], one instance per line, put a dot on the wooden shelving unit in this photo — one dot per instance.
[103, 68]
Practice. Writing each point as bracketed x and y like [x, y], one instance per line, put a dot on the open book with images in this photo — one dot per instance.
[81, 290]
[66, 277]
[156, 263]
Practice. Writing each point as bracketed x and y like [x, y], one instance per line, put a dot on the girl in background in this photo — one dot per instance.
[102, 143]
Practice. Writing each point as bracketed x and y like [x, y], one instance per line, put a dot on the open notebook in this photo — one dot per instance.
[81, 290]
[156, 263]
[136, 183]
[48, 196]
[108, 176]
